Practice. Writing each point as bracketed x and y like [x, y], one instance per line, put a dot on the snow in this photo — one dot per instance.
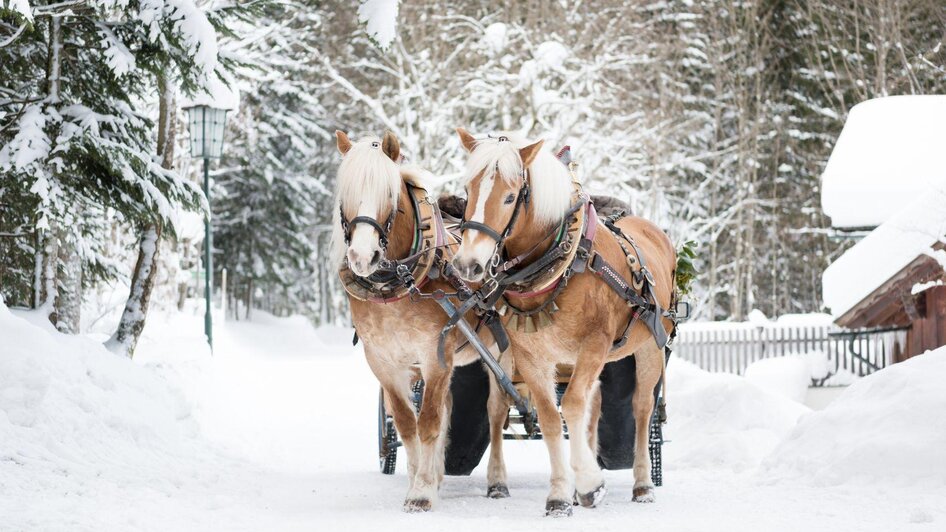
[380, 20]
[886, 428]
[22, 7]
[189, 23]
[276, 431]
[923, 287]
[216, 94]
[726, 419]
[886, 250]
[551, 54]
[31, 144]
[495, 36]
[787, 376]
[889, 152]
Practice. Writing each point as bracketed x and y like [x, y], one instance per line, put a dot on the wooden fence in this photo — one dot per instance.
[718, 348]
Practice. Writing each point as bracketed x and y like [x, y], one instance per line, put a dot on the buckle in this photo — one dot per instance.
[489, 286]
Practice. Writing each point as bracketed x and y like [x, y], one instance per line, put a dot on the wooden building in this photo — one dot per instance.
[885, 186]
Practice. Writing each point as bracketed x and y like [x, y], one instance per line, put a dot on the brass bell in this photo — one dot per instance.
[543, 320]
[513, 322]
[554, 308]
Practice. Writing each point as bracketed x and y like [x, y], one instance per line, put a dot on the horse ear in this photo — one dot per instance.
[390, 146]
[466, 139]
[342, 141]
[529, 153]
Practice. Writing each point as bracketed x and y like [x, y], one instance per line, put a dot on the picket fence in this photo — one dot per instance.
[732, 348]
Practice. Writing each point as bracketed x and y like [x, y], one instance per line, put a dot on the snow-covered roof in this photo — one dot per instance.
[889, 151]
[908, 234]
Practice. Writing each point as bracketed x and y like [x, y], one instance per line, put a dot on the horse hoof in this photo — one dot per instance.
[644, 494]
[592, 498]
[497, 491]
[558, 508]
[413, 506]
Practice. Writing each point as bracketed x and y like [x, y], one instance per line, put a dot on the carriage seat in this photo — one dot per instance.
[608, 205]
[451, 210]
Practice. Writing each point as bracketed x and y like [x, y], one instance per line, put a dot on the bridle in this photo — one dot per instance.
[522, 198]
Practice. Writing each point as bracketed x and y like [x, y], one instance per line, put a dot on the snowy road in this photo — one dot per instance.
[286, 441]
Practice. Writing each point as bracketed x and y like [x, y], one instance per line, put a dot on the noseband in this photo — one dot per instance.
[383, 230]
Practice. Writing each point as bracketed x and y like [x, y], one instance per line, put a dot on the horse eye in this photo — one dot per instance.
[509, 199]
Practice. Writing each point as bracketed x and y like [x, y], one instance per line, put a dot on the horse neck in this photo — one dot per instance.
[528, 235]
[402, 232]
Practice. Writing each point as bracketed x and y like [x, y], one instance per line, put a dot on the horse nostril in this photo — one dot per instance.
[477, 269]
[376, 258]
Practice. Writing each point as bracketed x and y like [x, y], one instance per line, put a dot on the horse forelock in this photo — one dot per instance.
[551, 183]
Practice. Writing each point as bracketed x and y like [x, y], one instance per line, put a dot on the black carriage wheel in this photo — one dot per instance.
[655, 445]
[387, 439]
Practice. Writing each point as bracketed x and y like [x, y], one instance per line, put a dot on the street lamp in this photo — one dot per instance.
[206, 125]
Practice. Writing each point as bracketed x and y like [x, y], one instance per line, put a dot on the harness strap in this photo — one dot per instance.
[649, 313]
[553, 254]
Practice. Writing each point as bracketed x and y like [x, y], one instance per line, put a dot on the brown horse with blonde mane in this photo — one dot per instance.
[382, 213]
[522, 204]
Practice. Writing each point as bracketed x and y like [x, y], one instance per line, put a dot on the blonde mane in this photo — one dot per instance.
[365, 172]
[551, 182]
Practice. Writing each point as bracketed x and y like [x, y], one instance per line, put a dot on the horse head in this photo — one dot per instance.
[368, 185]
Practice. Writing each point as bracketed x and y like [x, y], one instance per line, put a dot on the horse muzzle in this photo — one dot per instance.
[471, 271]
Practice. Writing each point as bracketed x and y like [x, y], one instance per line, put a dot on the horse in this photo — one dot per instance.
[382, 213]
[520, 201]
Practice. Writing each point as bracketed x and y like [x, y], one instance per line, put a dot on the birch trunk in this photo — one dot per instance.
[125, 338]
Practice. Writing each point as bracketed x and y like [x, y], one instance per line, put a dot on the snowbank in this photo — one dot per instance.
[889, 152]
[67, 402]
[888, 427]
[77, 421]
[718, 419]
[787, 376]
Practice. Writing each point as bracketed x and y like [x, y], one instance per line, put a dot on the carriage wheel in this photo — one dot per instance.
[387, 439]
[655, 444]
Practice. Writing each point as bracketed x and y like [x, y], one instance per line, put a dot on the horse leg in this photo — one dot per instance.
[498, 408]
[396, 383]
[541, 384]
[649, 364]
[576, 406]
[594, 411]
[432, 427]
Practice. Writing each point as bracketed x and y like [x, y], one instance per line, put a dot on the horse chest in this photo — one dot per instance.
[397, 332]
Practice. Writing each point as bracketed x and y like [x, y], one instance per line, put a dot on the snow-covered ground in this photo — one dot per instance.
[276, 431]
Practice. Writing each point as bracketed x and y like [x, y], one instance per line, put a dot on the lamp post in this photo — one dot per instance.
[206, 126]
